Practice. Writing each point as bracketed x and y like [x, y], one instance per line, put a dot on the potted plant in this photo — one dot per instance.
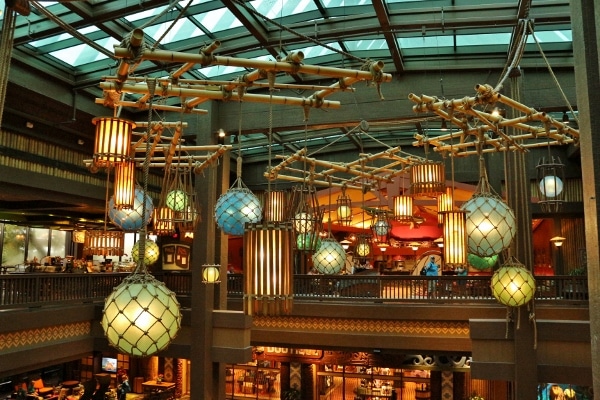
[292, 394]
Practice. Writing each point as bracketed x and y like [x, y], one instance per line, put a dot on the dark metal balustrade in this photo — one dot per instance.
[37, 289]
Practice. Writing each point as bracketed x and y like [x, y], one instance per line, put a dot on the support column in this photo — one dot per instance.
[585, 15]
[207, 379]
[519, 199]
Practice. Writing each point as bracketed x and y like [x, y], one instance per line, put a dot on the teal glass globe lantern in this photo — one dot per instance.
[235, 208]
[131, 220]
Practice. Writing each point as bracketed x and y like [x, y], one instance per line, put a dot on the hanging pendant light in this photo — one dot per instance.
[275, 206]
[307, 217]
[124, 186]
[268, 264]
[179, 195]
[427, 178]
[103, 243]
[237, 207]
[151, 252]
[445, 203]
[330, 257]
[454, 239]
[550, 179]
[344, 209]
[132, 220]
[491, 223]
[363, 246]
[113, 140]
[162, 220]
[403, 208]
[381, 226]
[513, 284]
[211, 273]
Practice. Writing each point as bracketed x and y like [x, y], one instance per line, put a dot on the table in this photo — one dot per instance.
[151, 386]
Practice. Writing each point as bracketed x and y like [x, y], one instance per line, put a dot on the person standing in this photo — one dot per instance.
[124, 388]
[432, 269]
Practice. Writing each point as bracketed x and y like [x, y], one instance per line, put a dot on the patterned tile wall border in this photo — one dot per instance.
[446, 328]
[40, 336]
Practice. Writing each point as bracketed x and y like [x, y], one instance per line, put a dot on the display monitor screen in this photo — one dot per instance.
[109, 364]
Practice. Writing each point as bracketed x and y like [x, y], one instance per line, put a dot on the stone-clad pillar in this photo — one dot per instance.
[585, 17]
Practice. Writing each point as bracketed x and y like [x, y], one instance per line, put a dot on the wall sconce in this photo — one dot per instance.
[345, 244]
[383, 246]
[211, 273]
[439, 242]
[113, 140]
[512, 284]
[415, 246]
[557, 241]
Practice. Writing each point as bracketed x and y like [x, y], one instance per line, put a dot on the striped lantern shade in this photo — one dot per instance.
[268, 266]
[113, 140]
[211, 273]
[124, 187]
[445, 203]
[103, 243]
[427, 178]
[275, 206]
[162, 219]
[455, 238]
[403, 208]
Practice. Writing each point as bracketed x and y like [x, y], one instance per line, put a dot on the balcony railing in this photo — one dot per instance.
[37, 289]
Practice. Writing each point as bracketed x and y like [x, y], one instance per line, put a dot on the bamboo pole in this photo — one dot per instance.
[218, 95]
[144, 106]
[281, 66]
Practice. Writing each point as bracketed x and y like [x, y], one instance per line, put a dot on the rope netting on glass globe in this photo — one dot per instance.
[491, 224]
[238, 205]
[142, 315]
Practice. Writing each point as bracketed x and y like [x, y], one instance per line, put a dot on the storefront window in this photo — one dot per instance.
[13, 245]
[58, 243]
[38, 243]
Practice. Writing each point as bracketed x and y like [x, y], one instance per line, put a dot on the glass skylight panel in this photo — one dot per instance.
[426, 41]
[319, 51]
[145, 14]
[552, 36]
[346, 3]
[274, 9]
[218, 20]
[83, 54]
[183, 29]
[369, 44]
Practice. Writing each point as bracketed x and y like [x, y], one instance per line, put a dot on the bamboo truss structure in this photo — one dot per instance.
[132, 51]
[479, 127]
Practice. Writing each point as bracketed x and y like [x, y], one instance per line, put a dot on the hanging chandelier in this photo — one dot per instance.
[306, 217]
